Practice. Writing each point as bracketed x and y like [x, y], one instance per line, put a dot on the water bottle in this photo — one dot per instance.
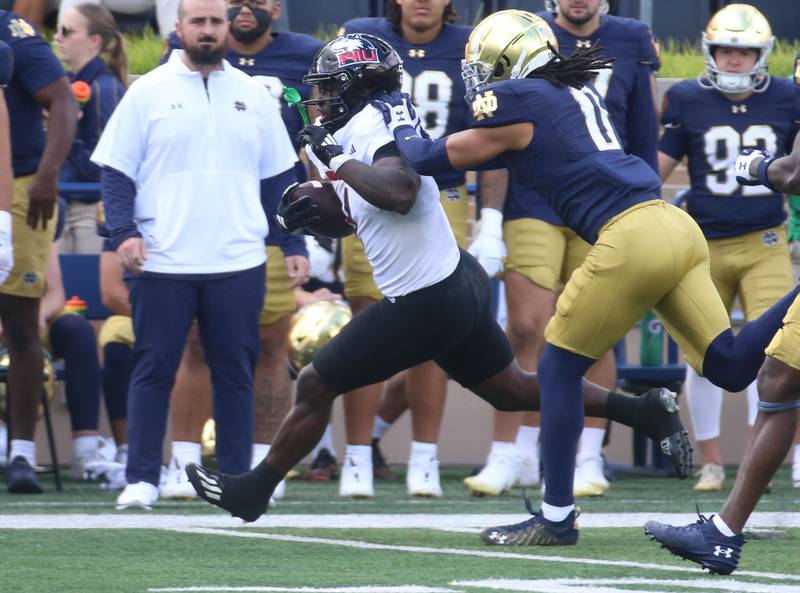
[76, 305]
[652, 343]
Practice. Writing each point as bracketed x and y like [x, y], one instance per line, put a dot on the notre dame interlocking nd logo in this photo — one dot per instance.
[484, 105]
[20, 28]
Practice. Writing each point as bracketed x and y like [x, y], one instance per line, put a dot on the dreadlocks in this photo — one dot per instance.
[394, 14]
[575, 70]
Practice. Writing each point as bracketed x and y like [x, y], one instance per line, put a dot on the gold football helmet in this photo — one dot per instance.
[737, 25]
[312, 327]
[505, 45]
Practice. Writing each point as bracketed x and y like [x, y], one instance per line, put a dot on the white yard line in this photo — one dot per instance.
[573, 585]
[361, 589]
[468, 552]
[145, 520]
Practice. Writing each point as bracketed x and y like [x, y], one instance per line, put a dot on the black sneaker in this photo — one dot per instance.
[662, 423]
[699, 542]
[380, 469]
[536, 531]
[323, 468]
[240, 495]
[21, 478]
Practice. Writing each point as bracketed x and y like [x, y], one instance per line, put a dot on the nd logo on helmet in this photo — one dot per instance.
[484, 105]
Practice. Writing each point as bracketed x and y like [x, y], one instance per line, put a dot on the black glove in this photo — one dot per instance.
[294, 217]
[321, 142]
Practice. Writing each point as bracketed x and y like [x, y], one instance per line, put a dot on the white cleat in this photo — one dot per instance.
[498, 475]
[177, 485]
[356, 478]
[589, 477]
[712, 478]
[528, 474]
[422, 478]
[141, 495]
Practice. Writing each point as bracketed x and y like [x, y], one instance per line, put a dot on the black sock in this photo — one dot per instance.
[265, 477]
[625, 409]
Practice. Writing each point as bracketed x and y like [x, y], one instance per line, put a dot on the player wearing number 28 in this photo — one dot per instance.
[733, 105]
[536, 112]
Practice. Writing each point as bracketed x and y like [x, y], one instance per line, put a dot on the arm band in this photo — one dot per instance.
[119, 192]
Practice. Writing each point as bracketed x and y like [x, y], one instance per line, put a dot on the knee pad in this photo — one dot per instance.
[772, 407]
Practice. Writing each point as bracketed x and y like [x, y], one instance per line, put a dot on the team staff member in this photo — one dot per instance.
[431, 47]
[6, 173]
[38, 83]
[716, 542]
[734, 104]
[84, 35]
[646, 253]
[437, 304]
[543, 253]
[274, 59]
[181, 180]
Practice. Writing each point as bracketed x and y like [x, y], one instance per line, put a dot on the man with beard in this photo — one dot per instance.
[274, 60]
[185, 157]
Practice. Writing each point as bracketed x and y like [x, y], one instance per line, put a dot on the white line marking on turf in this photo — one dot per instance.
[598, 585]
[466, 552]
[139, 520]
[361, 589]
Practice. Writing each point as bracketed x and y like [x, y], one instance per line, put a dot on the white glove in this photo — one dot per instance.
[741, 167]
[321, 261]
[6, 246]
[488, 247]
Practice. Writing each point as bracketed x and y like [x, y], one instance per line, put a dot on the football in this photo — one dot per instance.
[335, 223]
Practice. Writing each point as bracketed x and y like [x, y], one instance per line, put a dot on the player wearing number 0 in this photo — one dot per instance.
[543, 253]
[734, 104]
[275, 59]
[547, 123]
[437, 303]
[431, 47]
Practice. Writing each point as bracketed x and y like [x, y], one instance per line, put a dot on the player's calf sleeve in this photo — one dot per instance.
[560, 373]
[704, 400]
[116, 376]
[732, 362]
[73, 339]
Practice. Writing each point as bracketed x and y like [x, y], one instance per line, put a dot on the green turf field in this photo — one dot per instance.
[316, 542]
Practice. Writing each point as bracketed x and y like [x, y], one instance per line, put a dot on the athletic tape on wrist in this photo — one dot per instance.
[761, 172]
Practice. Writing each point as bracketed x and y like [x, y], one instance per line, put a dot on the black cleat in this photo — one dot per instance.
[238, 495]
[380, 469]
[662, 423]
[699, 542]
[323, 468]
[536, 531]
[21, 477]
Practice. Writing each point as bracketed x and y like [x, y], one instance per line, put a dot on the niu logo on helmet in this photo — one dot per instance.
[355, 51]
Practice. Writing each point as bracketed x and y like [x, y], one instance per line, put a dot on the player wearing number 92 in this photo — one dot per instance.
[733, 105]
[548, 125]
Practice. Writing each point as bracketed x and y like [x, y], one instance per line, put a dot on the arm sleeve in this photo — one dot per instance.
[105, 97]
[119, 193]
[121, 145]
[271, 192]
[6, 64]
[642, 124]
[674, 142]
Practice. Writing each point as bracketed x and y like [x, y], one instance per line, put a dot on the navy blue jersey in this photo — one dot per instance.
[576, 159]
[626, 88]
[107, 91]
[35, 66]
[6, 64]
[431, 77]
[711, 130]
[282, 63]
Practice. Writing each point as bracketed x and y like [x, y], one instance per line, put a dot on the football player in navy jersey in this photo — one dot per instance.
[537, 112]
[38, 82]
[437, 296]
[431, 46]
[734, 104]
[277, 60]
[543, 253]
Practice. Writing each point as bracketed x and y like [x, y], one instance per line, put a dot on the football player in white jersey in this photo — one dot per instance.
[437, 298]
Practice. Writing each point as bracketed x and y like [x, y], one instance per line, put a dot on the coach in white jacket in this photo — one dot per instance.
[188, 157]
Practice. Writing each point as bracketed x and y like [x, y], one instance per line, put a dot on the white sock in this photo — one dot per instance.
[705, 405]
[380, 427]
[422, 451]
[326, 442]
[752, 403]
[362, 453]
[796, 460]
[21, 448]
[591, 442]
[722, 526]
[528, 440]
[260, 451]
[85, 447]
[556, 514]
[503, 448]
[186, 452]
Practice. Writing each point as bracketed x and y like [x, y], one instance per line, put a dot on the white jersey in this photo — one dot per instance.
[407, 252]
[197, 152]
